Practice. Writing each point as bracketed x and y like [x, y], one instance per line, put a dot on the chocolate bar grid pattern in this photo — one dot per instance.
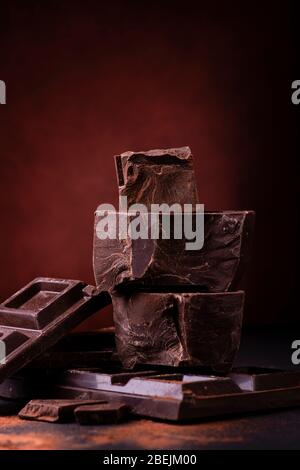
[41, 313]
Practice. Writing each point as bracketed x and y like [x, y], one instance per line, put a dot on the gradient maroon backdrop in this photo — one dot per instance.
[87, 80]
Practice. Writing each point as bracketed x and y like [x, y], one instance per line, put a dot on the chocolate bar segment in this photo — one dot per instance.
[157, 177]
[217, 267]
[40, 314]
[258, 378]
[53, 411]
[39, 303]
[178, 329]
[105, 413]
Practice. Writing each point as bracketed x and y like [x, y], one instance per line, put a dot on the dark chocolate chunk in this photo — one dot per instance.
[182, 329]
[157, 177]
[217, 267]
[53, 411]
[40, 314]
[105, 413]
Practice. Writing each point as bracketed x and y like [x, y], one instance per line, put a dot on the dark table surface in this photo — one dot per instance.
[278, 429]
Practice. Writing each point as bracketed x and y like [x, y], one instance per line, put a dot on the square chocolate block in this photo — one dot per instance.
[157, 177]
[217, 267]
[178, 329]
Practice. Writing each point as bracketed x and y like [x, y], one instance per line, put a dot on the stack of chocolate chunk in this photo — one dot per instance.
[175, 309]
[173, 306]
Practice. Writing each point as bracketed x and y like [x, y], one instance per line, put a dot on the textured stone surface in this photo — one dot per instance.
[178, 329]
[217, 267]
[157, 176]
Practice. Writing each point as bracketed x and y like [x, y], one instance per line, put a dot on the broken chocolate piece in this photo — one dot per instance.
[217, 267]
[40, 314]
[157, 177]
[105, 413]
[182, 329]
[53, 411]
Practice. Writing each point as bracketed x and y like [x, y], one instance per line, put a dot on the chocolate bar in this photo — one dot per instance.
[178, 397]
[217, 267]
[105, 413]
[157, 177]
[178, 329]
[169, 396]
[53, 411]
[40, 314]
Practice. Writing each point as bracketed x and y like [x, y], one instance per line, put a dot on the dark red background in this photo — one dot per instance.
[87, 80]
